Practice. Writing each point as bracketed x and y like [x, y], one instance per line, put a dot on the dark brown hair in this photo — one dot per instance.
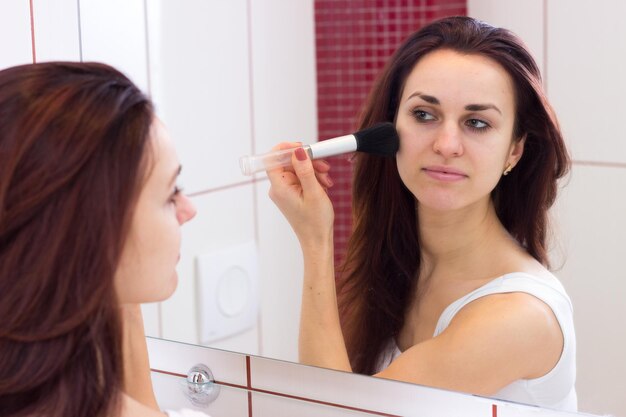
[383, 260]
[73, 140]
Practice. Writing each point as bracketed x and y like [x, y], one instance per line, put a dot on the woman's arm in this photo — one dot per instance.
[300, 193]
[490, 343]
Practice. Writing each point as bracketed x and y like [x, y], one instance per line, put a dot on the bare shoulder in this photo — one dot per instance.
[523, 326]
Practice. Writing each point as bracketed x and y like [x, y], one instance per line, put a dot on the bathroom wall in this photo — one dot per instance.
[229, 78]
[253, 83]
[580, 46]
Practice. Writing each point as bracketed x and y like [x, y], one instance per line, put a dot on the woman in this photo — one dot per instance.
[445, 282]
[90, 219]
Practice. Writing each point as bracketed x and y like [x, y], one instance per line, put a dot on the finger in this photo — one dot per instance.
[324, 179]
[321, 165]
[303, 168]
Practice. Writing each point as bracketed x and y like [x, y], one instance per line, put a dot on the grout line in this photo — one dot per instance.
[227, 187]
[255, 200]
[32, 31]
[249, 383]
[147, 32]
[600, 164]
[80, 32]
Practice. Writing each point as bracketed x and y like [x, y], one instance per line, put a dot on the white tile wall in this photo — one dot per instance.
[281, 266]
[15, 30]
[591, 218]
[56, 30]
[224, 218]
[584, 67]
[202, 86]
[587, 63]
[114, 32]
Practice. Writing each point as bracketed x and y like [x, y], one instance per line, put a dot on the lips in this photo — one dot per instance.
[443, 173]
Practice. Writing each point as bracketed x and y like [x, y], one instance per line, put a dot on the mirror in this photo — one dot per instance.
[234, 77]
[280, 67]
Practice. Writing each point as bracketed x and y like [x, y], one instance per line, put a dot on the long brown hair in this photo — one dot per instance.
[383, 260]
[73, 146]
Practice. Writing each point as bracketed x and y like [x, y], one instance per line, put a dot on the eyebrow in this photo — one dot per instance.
[470, 107]
[176, 174]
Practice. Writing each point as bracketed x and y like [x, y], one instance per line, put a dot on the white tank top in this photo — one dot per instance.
[555, 389]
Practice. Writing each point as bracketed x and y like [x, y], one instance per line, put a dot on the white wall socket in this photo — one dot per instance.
[227, 287]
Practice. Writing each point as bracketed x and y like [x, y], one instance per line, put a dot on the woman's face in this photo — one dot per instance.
[147, 269]
[455, 122]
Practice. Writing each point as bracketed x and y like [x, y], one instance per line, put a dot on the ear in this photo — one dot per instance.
[517, 150]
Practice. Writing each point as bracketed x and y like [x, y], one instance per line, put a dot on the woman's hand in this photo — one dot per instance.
[299, 192]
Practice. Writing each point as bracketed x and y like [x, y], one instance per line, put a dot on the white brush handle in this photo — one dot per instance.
[331, 147]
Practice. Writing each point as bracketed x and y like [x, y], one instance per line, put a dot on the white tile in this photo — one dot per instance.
[283, 61]
[362, 392]
[586, 83]
[224, 218]
[170, 394]
[592, 249]
[56, 30]
[267, 405]
[179, 358]
[200, 72]
[281, 271]
[15, 32]
[114, 32]
[524, 18]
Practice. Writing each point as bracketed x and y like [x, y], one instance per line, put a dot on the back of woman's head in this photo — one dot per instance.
[384, 209]
[73, 141]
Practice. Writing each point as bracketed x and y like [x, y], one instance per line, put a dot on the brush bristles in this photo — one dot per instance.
[380, 139]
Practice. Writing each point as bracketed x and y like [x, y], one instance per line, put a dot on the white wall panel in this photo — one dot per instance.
[201, 73]
[592, 249]
[56, 30]
[114, 32]
[224, 218]
[15, 33]
[586, 67]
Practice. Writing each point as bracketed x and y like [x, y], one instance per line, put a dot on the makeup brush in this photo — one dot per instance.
[380, 139]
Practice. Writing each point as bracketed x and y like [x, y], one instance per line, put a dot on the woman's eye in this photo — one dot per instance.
[175, 193]
[423, 116]
[477, 124]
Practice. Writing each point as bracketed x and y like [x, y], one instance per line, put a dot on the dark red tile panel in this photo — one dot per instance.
[354, 39]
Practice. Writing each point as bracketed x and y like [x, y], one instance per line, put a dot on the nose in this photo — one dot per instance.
[186, 210]
[448, 142]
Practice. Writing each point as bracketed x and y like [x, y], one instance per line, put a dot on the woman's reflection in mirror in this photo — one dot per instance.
[90, 218]
[446, 280]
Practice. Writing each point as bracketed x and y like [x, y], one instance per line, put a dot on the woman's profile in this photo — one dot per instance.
[90, 218]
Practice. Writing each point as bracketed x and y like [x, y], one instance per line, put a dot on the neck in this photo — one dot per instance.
[460, 241]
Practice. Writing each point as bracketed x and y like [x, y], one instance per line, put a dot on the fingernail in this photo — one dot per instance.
[330, 182]
[300, 154]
